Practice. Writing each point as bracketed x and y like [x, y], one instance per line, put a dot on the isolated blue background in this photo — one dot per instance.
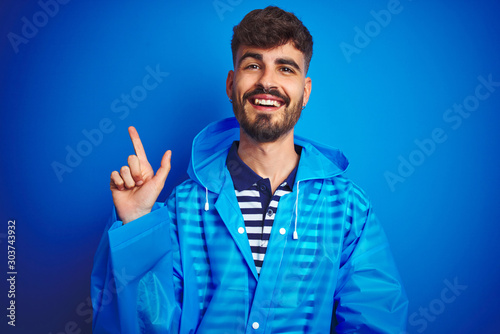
[442, 221]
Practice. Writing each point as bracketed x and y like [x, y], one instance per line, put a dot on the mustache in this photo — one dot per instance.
[273, 92]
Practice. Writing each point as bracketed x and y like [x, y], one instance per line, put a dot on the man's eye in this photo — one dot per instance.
[286, 69]
[252, 66]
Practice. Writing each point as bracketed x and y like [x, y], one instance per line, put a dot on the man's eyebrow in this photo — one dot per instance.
[288, 61]
[257, 56]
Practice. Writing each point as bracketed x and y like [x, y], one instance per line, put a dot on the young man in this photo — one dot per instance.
[266, 236]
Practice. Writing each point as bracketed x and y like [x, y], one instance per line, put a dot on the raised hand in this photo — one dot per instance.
[136, 187]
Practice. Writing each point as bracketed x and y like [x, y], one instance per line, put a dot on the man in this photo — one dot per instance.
[266, 236]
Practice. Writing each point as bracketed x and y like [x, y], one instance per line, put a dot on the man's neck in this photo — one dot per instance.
[274, 161]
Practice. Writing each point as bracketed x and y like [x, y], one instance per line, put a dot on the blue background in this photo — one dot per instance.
[441, 215]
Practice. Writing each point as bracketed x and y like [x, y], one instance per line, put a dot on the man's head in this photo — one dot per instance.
[271, 27]
[268, 87]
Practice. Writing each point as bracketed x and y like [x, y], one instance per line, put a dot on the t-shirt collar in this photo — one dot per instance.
[243, 176]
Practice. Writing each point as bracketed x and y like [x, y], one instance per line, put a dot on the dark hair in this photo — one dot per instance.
[271, 27]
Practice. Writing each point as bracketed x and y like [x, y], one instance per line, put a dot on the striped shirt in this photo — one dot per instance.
[257, 204]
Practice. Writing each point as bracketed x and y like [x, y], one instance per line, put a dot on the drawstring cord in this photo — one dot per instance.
[206, 199]
[295, 234]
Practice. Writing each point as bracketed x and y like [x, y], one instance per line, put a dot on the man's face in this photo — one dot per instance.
[268, 88]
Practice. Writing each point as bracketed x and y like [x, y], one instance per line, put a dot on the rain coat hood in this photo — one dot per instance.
[210, 147]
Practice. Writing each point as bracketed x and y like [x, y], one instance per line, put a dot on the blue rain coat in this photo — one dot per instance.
[186, 268]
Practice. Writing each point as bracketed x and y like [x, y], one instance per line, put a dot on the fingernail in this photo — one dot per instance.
[139, 183]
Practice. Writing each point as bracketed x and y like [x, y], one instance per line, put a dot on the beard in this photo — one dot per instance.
[267, 128]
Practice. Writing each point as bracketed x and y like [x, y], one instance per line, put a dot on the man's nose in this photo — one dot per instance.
[268, 79]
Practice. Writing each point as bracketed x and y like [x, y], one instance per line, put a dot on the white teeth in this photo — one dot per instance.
[269, 103]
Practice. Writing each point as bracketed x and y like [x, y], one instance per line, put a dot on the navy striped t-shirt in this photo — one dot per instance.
[258, 205]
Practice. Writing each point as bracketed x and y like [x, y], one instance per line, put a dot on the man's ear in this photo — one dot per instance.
[307, 90]
[229, 84]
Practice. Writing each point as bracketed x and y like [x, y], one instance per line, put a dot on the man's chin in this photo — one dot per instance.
[262, 131]
[263, 127]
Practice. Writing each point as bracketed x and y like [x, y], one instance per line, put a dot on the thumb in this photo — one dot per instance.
[162, 173]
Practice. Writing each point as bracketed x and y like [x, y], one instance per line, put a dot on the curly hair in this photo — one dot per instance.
[271, 27]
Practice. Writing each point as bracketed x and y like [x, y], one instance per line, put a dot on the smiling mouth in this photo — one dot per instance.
[266, 103]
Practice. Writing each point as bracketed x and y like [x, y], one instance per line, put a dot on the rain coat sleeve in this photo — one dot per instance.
[137, 280]
[369, 297]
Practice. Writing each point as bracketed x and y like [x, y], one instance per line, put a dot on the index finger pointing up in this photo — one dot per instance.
[136, 141]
